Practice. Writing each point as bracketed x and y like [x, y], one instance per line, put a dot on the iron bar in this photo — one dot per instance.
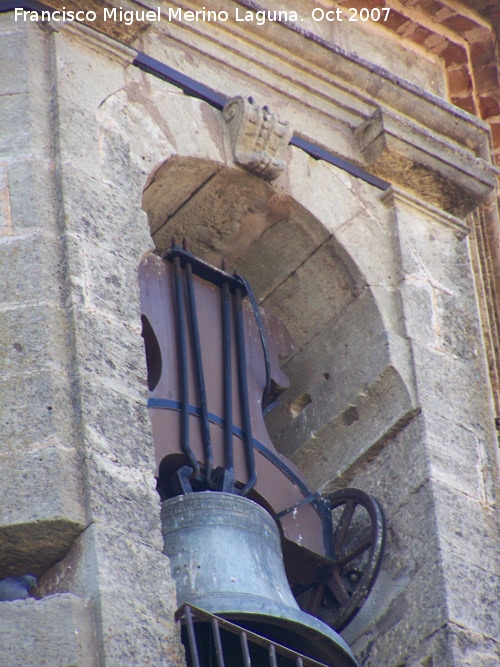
[272, 656]
[200, 378]
[247, 662]
[218, 643]
[263, 340]
[244, 399]
[183, 364]
[228, 481]
[193, 647]
[196, 89]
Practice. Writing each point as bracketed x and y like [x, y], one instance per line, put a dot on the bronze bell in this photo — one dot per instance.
[225, 558]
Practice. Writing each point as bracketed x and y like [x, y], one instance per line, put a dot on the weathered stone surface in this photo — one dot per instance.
[317, 301]
[79, 141]
[104, 214]
[452, 646]
[117, 426]
[472, 593]
[32, 337]
[464, 522]
[131, 592]
[457, 456]
[218, 216]
[87, 75]
[41, 252]
[409, 155]
[104, 280]
[351, 438]
[57, 630]
[35, 407]
[467, 403]
[38, 529]
[31, 194]
[117, 362]
[122, 498]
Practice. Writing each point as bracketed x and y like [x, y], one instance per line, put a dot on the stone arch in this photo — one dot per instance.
[347, 392]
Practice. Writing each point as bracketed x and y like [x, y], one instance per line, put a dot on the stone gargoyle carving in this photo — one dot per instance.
[257, 136]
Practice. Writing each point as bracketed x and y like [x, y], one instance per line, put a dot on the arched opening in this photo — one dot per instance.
[301, 272]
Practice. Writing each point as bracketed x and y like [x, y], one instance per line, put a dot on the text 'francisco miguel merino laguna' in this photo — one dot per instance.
[128, 17]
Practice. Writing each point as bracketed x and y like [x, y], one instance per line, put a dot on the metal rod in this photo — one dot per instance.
[183, 364]
[227, 380]
[218, 643]
[200, 377]
[272, 656]
[191, 637]
[244, 400]
[244, 648]
[263, 340]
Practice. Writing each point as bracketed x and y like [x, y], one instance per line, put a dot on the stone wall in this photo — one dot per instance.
[101, 162]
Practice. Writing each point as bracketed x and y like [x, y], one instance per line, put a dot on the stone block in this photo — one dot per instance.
[122, 498]
[349, 352]
[471, 649]
[457, 455]
[32, 338]
[80, 141]
[130, 587]
[117, 426]
[400, 471]
[104, 214]
[13, 76]
[352, 437]
[473, 595]
[55, 631]
[33, 177]
[317, 300]
[280, 228]
[418, 159]
[333, 200]
[43, 282]
[17, 131]
[77, 61]
[35, 408]
[452, 387]
[218, 216]
[109, 282]
[111, 353]
[41, 508]
[453, 646]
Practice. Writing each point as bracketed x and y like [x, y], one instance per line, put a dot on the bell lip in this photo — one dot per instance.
[254, 608]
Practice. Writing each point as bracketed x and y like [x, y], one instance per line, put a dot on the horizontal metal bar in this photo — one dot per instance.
[204, 269]
[202, 92]
[196, 89]
[190, 86]
[321, 154]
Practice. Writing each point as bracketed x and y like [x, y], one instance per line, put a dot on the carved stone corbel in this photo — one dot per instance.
[257, 137]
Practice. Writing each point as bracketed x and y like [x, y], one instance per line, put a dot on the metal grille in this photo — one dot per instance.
[211, 641]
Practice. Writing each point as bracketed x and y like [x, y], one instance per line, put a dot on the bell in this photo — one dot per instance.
[225, 558]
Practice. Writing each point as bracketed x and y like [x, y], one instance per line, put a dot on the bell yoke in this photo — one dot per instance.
[213, 372]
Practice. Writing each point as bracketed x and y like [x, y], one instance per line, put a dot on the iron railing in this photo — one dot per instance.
[212, 641]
